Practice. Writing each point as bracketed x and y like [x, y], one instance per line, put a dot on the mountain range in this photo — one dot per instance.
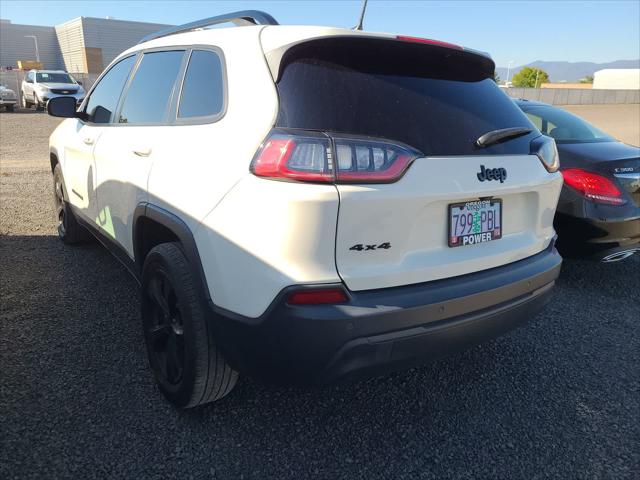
[568, 71]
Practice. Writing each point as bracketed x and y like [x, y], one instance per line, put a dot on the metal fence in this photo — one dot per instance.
[13, 80]
[570, 96]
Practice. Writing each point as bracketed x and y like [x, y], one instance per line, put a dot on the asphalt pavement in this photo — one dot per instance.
[558, 398]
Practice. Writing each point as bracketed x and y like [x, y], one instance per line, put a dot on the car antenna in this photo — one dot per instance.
[364, 8]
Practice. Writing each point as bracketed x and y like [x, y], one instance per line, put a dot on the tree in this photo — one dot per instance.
[496, 77]
[587, 79]
[530, 78]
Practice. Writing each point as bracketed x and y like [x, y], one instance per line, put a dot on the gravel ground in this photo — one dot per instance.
[559, 398]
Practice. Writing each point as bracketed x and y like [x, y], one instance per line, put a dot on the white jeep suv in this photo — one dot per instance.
[304, 204]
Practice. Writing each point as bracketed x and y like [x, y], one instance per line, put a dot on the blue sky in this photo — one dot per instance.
[522, 31]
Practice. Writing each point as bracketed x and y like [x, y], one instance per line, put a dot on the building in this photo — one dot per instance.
[81, 45]
[617, 79]
[16, 45]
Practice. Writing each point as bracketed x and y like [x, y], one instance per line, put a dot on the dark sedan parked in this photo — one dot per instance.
[598, 213]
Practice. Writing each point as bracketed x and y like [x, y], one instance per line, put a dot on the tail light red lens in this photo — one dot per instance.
[319, 157]
[296, 157]
[593, 186]
[317, 296]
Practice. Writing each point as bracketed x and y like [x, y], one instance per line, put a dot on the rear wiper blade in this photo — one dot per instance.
[496, 136]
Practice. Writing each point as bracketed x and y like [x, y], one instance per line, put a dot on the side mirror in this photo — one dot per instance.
[64, 107]
[79, 83]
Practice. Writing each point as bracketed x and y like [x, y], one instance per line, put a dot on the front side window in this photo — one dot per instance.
[104, 97]
[203, 87]
[43, 77]
[149, 96]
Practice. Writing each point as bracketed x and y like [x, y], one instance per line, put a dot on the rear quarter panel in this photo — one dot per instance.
[198, 164]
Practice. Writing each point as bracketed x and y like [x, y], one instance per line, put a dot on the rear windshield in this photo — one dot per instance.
[53, 78]
[563, 126]
[434, 99]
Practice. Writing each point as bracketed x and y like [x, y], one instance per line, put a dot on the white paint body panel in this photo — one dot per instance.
[76, 152]
[121, 178]
[411, 214]
[264, 236]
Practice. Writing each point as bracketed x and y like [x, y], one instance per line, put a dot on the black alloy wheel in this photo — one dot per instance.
[165, 330]
[188, 367]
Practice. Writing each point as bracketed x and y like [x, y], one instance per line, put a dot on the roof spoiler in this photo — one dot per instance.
[241, 18]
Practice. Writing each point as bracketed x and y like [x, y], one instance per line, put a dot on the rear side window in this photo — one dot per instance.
[104, 98]
[149, 95]
[563, 126]
[437, 100]
[203, 86]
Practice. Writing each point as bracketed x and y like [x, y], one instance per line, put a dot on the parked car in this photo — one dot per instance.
[304, 204]
[598, 213]
[8, 98]
[40, 86]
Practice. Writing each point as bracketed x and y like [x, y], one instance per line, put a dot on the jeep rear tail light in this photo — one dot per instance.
[593, 186]
[545, 148]
[319, 157]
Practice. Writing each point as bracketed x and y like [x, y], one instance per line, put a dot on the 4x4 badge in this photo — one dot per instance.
[492, 174]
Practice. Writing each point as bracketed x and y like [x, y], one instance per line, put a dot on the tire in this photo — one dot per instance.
[37, 104]
[69, 230]
[8, 108]
[188, 367]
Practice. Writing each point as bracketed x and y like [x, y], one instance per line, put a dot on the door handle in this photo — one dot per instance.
[88, 141]
[142, 152]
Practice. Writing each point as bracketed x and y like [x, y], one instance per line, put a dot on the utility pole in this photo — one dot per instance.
[35, 39]
[509, 65]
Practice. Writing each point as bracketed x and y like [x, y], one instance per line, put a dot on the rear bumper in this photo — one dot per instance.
[593, 237]
[386, 329]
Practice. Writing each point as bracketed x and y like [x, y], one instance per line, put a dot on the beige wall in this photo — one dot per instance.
[619, 121]
[578, 86]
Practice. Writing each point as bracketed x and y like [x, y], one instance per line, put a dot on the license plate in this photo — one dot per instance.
[474, 222]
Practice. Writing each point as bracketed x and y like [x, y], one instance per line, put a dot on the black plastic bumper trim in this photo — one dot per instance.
[368, 335]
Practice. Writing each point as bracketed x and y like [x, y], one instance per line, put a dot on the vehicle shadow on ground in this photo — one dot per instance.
[75, 373]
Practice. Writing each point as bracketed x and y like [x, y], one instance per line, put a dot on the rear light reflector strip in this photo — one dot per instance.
[310, 296]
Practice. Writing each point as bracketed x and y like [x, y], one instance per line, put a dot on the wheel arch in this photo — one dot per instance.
[54, 159]
[153, 225]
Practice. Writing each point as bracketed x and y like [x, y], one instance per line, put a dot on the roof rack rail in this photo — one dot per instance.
[241, 18]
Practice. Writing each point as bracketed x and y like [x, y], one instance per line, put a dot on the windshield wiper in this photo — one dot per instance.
[496, 136]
